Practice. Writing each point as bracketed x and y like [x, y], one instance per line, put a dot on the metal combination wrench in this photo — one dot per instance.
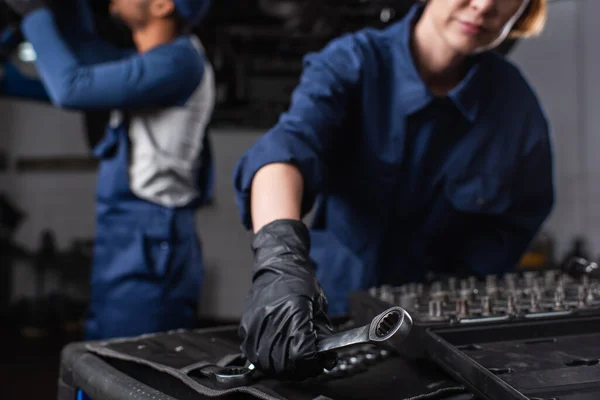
[393, 322]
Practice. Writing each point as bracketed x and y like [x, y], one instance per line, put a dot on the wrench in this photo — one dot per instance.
[393, 321]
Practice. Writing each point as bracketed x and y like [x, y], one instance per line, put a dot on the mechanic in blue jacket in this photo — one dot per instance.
[424, 150]
[155, 165]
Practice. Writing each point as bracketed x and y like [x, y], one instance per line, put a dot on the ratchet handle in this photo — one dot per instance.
[392, 322]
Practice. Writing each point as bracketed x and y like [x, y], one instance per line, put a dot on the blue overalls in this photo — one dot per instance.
[405, 182]
[148, 265]
[155, 168]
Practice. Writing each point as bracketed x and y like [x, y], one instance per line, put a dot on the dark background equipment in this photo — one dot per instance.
[256, 48]
[10, 219]
[48, 313]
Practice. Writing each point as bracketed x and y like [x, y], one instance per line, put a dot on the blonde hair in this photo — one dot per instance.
[532, 21]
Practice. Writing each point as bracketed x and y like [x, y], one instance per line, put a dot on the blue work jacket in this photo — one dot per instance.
[407, 182]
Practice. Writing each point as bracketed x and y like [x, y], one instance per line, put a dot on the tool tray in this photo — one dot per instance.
[549, 354]
[162, 367]
[536, 360]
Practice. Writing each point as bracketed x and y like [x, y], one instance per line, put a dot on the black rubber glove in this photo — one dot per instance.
[286, 310]
[24, 7]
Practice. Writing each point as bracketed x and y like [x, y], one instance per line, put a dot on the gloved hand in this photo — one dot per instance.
[24, 7]
[286, 310]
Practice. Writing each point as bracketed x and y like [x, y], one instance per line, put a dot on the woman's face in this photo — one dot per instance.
[467, 25]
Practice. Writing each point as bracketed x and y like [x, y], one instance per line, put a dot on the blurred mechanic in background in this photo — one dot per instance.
[155, 162]
[427, 152]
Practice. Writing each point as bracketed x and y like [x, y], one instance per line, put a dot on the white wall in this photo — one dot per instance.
[590, 94]
[561, 65]
[227, 244]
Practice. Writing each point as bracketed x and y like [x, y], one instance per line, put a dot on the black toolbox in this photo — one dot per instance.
[85, 374]
[528, 360]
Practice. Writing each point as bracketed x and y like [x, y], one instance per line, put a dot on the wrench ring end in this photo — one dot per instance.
[393, 321]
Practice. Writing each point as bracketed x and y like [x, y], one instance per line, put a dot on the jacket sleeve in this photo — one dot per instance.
[498, 242]
[162, 77]
[304, 134]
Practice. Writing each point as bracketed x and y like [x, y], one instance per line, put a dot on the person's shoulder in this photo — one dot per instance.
[356, 47]
[183, 50]
[513, 88]
[369, 37]
[188, 46]
[185, 54]
[508, 78]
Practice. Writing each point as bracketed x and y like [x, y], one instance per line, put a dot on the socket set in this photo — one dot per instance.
[531, 294]
[453, 301]
[524, 335]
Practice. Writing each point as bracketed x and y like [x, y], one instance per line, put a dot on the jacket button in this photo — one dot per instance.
[164, 245]
[481, 201]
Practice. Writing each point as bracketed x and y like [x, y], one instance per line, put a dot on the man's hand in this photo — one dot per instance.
[286, 311]
[24, 7]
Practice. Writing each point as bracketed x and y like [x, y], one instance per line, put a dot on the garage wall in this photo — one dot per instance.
[590, 95]
[554, 63]
[561, 65]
